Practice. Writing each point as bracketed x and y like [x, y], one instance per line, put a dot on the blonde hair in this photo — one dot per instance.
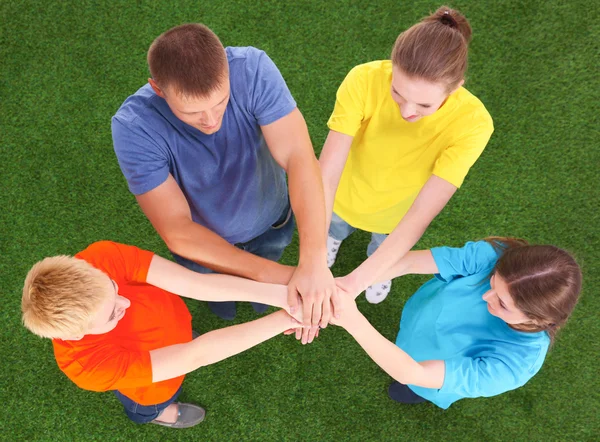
[61, 294]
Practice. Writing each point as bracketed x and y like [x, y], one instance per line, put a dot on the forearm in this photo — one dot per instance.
[176, 279]
[419, 262]
[216, 345]
[392, 359]
[199, 244]
[382, 262]
[308, 203]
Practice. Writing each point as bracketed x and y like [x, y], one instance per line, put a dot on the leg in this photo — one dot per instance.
[379, 291]
[169, 413]
[224, 310]
[401, 393]
[339, 230]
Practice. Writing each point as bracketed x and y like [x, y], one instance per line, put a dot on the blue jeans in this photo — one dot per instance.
[340, 230]
[142, 414]
[269, 245]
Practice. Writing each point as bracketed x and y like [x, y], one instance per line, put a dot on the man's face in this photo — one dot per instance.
[417, 98]
[205, 114]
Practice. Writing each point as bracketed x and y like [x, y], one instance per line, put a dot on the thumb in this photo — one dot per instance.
[336, 302]
[292, 299]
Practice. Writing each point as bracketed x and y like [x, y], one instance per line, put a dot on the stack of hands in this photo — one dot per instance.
[311, 311]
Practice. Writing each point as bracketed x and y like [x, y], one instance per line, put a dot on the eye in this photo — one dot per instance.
[425, 106]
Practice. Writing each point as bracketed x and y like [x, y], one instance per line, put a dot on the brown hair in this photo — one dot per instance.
[61, 295]
[543, 281]
[435, 49]
[190, 59]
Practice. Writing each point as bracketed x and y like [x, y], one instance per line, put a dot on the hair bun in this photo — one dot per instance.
[447, 19]
[451, 18]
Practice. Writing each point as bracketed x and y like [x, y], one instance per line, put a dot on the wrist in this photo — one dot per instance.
[355, 285]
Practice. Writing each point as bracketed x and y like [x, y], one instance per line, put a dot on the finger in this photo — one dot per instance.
[289, 331]
[317, 333]
[326, 316]
[292, 299]
[299, 332]
[307, 304]
[311, 333]
[336, 301]
[305, 335]
[316, 313]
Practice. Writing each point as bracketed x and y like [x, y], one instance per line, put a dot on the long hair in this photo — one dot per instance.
[436, 48]
[544, 282]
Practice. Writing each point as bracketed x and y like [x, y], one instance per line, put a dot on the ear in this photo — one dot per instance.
[458, 86]
[156, 89]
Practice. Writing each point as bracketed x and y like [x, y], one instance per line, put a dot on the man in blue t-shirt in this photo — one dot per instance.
[205, 147]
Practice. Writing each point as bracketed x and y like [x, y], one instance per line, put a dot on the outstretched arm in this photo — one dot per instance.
[176, 279]
[290, 145]
[169, 212]
[391, 358]
[430, 201]
[214, 346]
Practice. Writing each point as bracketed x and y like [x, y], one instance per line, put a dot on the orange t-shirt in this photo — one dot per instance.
[120, 359]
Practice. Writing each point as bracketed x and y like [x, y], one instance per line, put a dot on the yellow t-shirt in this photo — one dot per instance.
[390, 159]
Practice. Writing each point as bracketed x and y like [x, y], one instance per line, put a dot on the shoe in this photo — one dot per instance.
[401, 393]
[188, 415]
[224, 310]
[259, 308]
[378, 292]
[333, 245]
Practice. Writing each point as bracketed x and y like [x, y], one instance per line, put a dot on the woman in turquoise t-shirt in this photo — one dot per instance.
[480, 328]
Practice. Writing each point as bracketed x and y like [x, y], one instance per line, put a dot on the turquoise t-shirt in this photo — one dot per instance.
[447, 319]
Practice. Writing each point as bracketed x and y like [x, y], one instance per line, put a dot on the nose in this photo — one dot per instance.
[124, 303]
[210, 119]
[486, 295]
[407, 110]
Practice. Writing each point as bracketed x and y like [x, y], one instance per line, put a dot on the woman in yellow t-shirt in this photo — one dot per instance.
[403, 135]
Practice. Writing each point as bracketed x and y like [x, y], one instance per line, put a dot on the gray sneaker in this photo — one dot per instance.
[188, 415]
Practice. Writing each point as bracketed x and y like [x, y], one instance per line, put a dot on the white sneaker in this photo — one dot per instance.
[333, 245]
[376, 293]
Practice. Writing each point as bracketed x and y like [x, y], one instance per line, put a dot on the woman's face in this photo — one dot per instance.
[417, 98]
[501, 304]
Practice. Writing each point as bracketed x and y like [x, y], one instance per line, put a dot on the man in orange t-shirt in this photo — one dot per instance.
[116, 323]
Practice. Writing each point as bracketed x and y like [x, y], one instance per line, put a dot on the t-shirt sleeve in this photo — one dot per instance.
[483, 376]
[109, 367]
[121, 262]
[270, 98]
[473, 258]
[455, 161]
[143, 161]
[349, 110]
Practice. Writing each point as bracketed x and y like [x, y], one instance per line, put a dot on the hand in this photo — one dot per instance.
[315, 284]
[348, 304]
[346, 284]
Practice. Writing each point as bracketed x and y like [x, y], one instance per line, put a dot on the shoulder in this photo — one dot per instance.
[137, 106]
[481, 253]
[471, 108]
[246, 58]
[372, 72]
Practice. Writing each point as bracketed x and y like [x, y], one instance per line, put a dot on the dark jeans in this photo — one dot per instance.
[269, 245]
[142, 414]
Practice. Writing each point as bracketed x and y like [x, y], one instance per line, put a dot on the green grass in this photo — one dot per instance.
[66, 68]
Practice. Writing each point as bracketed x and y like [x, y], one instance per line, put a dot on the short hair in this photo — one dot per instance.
[61, 295]
[188, 59]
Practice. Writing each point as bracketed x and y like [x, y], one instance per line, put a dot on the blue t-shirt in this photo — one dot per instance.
[447, 319]
[232, 183]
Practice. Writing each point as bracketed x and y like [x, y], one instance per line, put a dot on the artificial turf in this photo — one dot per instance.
[67, 66]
